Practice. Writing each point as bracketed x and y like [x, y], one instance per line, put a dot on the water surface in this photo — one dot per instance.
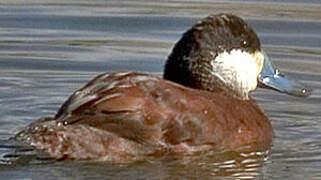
[48, 49]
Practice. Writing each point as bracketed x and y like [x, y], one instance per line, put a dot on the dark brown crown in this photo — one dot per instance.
[189, 62]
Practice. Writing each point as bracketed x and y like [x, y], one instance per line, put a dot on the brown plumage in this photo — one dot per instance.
[144, 115]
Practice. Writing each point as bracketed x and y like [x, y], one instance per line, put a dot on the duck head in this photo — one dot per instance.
[223, 53]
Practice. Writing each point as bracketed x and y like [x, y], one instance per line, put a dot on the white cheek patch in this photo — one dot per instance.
[237, 69]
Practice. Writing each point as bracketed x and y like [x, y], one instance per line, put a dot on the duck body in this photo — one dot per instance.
[128, 114]
[202, 102]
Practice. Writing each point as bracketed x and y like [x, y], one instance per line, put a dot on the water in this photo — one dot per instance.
[48, 49]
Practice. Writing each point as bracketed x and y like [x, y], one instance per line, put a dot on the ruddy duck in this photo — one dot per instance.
[202, 102]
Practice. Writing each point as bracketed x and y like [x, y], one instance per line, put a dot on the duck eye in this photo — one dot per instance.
[278, 73]
[244, 43]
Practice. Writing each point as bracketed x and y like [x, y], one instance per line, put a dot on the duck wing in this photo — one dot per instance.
[114, 102]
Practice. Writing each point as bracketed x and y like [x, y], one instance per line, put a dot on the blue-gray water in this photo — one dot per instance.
[50, 48]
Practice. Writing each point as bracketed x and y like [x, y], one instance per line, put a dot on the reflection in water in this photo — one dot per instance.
[244, 164]
[50, 48]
